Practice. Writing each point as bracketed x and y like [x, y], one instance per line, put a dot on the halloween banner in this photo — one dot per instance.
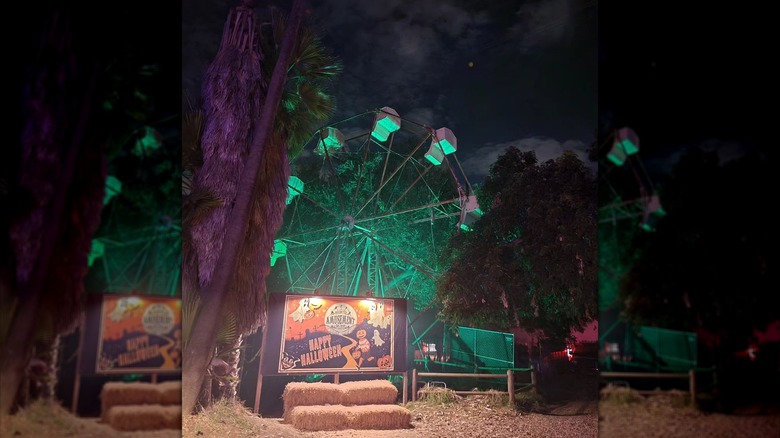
[340, 334]
[139, 334]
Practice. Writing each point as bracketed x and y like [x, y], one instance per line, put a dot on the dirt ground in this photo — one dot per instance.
[669, 416]
[623, 415]
[472, 416]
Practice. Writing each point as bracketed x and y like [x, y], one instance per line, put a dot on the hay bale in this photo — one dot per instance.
[310, 394]
[144, 417]
[368, 392]
[170, 392]
[385, 417]
[337, 417]
[311, 418]
[126, 393]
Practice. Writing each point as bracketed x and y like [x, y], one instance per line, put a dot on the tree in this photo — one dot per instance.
[708, 265]
[531, 260]
[74, 108]
[243, 179]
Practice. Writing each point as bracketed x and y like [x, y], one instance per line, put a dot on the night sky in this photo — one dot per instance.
[532, 81]
[684, 75]
[687, 75]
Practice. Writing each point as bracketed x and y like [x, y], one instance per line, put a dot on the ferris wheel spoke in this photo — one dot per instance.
[329, 160]
[422, 267]
[305, 272]
[412, 185]
[384, 183]
[359, 179]
[408, 210]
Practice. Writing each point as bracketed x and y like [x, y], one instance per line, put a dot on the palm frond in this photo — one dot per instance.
[192, 123]
[200, 202]
[190, 310]
[228, 330]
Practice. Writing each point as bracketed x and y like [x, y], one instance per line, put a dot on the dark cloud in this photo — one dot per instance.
[493, 72]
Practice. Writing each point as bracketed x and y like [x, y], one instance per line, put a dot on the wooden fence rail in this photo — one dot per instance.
[510, 382]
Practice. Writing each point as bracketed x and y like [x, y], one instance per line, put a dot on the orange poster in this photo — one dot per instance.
[139, 334]
[337, 334]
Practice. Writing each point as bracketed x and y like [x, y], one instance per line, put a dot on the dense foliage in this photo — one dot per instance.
[709, 264]
[531, 260]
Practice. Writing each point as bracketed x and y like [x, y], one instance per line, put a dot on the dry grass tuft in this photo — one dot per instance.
[221, 419]
[620, 395]
[529, 401]
[51, 420]
[437, 395]
[39, 419]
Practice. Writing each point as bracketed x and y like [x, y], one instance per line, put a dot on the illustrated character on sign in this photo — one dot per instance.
[124, 308]
[364, 347]
[377, 315]
[358, 356]
[377, 339]
[302, 311]
[288, 362]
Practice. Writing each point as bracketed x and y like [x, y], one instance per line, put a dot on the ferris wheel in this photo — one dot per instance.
[629, 204]
[630, 191]
[373, 200]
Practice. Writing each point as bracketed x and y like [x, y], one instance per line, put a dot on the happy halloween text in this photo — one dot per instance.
[320, 350]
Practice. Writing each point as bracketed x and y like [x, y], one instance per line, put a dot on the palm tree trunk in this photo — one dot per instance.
[49, 383]
[228, 389]
[197, 354]
[17, 349]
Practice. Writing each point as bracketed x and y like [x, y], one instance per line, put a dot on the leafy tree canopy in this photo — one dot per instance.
[708, 264]
[531, 260]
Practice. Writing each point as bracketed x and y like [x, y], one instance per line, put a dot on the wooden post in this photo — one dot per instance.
[405, 396]
[74, 402]
[154, 378]
[692, 385]
[510, 386]
[259, 387]
[336, 378]
[414, 384]
[533, 379]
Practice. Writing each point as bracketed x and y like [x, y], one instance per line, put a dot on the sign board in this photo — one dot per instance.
[139, 334]
[335, 334]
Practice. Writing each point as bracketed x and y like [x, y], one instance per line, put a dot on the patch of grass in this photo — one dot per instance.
[620, 395]
[40, 419]
[436, 395]
[225, 415]
[496, 399]
[674, 398]
[528, 401]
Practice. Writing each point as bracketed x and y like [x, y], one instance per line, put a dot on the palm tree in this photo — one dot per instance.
[61, 180]
[235, 93]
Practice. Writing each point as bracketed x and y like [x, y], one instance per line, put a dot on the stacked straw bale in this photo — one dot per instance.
[310, 394]
[368, 392]
[368, 404]
[139, 395]
[336, 417]
[144, 417]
